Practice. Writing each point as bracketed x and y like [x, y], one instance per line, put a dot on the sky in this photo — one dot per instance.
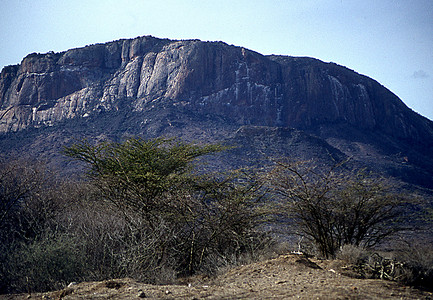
[390, 41]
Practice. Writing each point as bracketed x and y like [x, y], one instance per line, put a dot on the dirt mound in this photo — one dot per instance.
[285, 277]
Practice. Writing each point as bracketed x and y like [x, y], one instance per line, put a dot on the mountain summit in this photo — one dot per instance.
[211, 91]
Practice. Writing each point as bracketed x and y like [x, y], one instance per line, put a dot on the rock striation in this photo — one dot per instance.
[207, 91]
[205, 77]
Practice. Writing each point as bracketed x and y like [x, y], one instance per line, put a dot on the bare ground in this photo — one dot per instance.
[285, 277]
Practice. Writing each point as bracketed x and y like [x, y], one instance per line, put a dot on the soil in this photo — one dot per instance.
[285, 277]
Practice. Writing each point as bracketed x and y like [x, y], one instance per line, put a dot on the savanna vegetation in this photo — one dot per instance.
[148, 210]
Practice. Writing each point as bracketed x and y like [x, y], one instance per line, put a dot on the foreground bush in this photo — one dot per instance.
[175, 216]
[409, 264]
[142, 211]
[29, 204]
[46, 264]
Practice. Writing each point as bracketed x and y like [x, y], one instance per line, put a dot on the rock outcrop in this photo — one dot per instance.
[205, 77]
[207, 91]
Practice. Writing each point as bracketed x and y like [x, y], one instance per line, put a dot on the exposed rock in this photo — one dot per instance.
[216, 78]
[206, 91]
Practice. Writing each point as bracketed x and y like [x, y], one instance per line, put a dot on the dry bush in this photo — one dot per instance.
[261, 247]
[174, 218]
[417, 261]
[333, 206]
[409, 264]
[363, 263]
[25, 199]
[29, 204]
[150, 222]
[115, 243]
[46, 264]
[352, 254]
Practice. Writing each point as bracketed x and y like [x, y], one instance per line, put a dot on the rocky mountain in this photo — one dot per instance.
[207, 92]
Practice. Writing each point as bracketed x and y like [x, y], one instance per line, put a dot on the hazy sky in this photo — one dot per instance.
[388, 40]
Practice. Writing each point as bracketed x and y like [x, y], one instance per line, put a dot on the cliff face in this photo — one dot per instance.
[209, 78]
[210, 91]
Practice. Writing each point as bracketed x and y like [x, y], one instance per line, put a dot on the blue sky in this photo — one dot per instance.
[388, 40]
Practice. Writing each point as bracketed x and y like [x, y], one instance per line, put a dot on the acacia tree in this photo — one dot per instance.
[137, 174]
[333, 207]
[183, 214]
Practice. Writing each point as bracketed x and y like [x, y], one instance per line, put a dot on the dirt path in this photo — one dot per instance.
[285, 277]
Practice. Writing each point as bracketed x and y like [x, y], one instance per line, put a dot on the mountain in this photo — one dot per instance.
[207, 92]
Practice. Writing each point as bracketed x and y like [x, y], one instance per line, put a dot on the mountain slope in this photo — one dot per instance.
[206, 91]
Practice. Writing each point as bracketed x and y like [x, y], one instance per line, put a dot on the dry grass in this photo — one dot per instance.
[283, 277]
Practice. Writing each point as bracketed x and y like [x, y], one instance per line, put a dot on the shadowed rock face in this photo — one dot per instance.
[206, 91]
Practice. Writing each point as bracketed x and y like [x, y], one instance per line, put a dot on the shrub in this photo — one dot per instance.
[174, 217]
[352, 254]
[417, 261]
[409, 264]
[334, 207]
[142, 211]
[46, 264]
[28, 208]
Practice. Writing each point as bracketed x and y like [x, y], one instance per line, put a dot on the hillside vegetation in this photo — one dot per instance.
[149, 210]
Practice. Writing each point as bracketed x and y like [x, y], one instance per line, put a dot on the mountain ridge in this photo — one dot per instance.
[206, 91]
